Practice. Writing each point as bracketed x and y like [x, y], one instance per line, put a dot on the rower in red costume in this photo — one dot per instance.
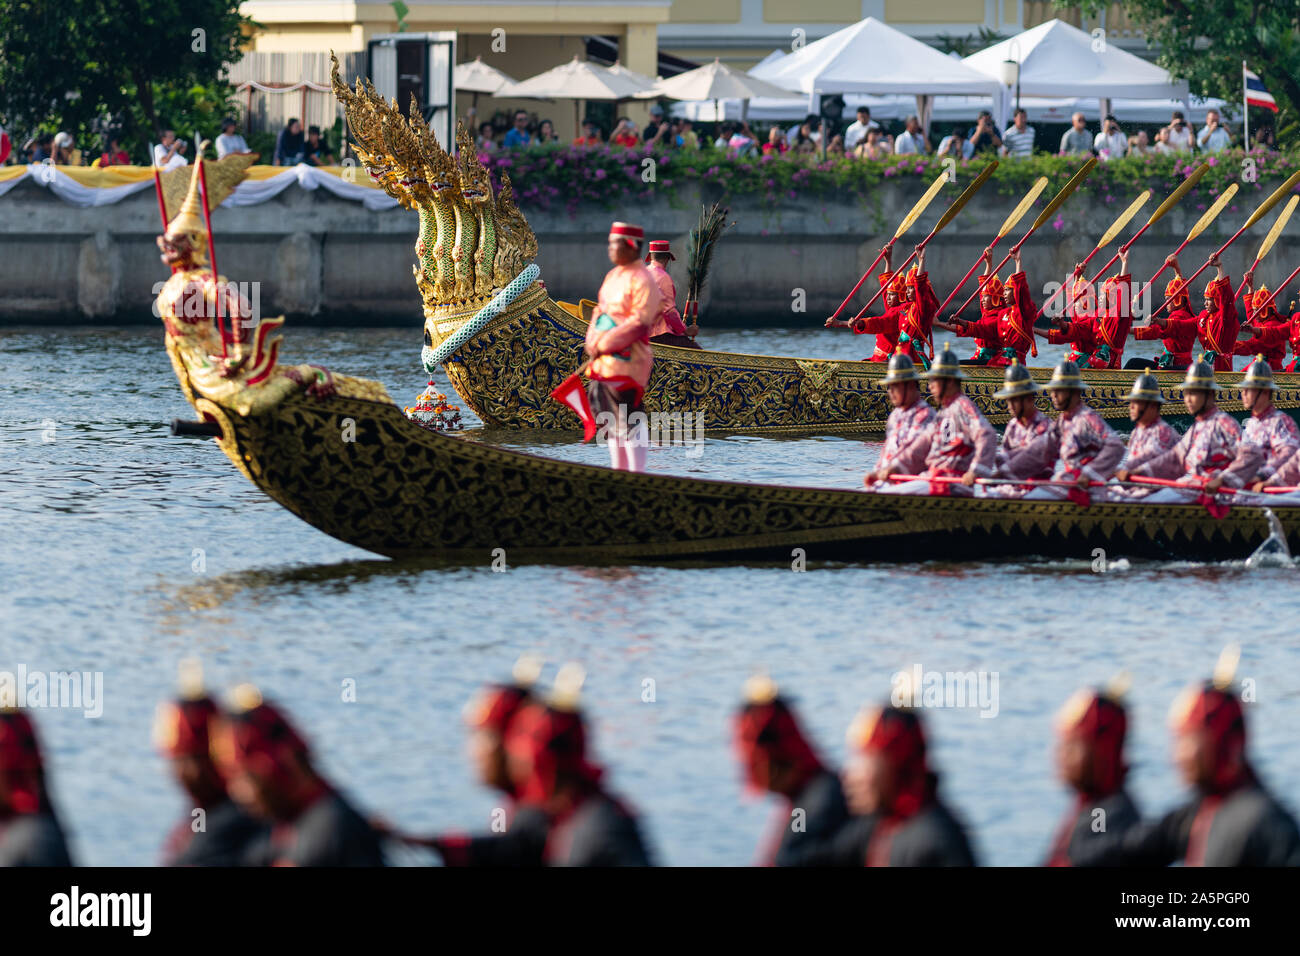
[1271, 329]
[546, 756]
[618, 341]
[916, 320]
[898, 819]
[669, 329]
[1010, 326]
[907, 431]
[1077, 325]
[884, 326]
[30, 832]
[1216, 324]
[1090, 760]
[1114, 318]
[269, 771]
[182, 734]
[1231, 819]
[520, 839]
[962, 443]
[777, 758]
[1177, 329]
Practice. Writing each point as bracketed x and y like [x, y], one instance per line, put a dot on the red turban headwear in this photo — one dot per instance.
[553, 742]
[1217, 711]
[766, 733]
[896, 734]
[1099, 719]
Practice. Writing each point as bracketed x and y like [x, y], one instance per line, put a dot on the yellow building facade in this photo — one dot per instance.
[525, 37]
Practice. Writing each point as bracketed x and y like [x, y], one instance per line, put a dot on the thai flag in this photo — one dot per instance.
[1257, 94]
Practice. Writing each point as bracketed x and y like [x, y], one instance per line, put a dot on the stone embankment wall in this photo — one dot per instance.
[320, 258]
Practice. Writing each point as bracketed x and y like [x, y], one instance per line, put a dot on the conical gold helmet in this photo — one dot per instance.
[1067, 375]
[946, 365]
[1016, 382]
[1200, 375]
[1146, 388]
[1258, 375]
[901, 369]
[188, 223]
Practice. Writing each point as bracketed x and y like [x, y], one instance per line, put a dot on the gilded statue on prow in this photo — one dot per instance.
[473, 240]
[221, 350]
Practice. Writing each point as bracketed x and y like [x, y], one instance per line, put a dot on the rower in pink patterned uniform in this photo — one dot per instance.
[1151, 435]
[1270, 435]
[1022, 456]
[1206, 450]
[963, 445]
[618, 339]
[669, 329]
[1089, 448]
[907, 432]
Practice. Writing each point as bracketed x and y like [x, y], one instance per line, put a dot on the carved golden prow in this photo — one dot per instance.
[473, 240]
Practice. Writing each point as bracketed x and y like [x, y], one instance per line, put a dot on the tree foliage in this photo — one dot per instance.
[1204, 42]
[138, 65]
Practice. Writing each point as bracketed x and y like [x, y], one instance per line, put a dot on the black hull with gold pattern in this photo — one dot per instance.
[400, 490]
[506, 373]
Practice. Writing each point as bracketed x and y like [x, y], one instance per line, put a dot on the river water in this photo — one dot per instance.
[123, 550]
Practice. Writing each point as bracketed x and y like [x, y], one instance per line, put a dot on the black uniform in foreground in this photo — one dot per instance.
[546, 755]
[216, 831]
[777, 758]
[1231, 820]
[1090, 758]
[30, 834]
[522, 842]
[270, 774]
[899, 819]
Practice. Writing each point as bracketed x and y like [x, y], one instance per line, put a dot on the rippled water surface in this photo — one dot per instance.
[101, 529]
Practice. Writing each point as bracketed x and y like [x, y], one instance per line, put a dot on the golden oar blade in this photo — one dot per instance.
[1276, 231]
[966, 196]
[1118, 225]
[921, 203]
[1278, 195]
[1018, 213]
[1212, 213]
[1066, 191]
[1176, 196]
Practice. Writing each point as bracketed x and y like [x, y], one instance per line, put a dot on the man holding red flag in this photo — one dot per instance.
[618, 341]
[916, 320]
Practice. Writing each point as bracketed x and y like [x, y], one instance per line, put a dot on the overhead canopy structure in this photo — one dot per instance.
[872, 57]
[579, 80]
[1057, 59]
[716, 81]
[475, 76]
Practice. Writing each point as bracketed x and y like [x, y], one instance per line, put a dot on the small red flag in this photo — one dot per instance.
[571, 393]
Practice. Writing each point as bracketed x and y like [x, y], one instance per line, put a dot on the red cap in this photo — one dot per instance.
[629, 233]
[660, 246]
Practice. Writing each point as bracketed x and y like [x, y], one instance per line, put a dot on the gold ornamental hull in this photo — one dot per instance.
[506, 372]
[360, 471]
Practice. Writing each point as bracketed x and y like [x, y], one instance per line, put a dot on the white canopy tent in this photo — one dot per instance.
[579, 80]
[872, 57]
[1056, 59]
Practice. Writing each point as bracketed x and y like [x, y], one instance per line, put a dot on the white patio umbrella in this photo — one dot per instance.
[477, 77]
[716, 81]
[578, 80]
